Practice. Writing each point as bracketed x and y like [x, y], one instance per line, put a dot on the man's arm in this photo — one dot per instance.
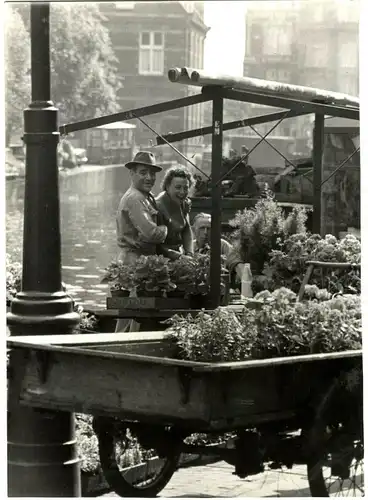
[169, 253]
[143, 221]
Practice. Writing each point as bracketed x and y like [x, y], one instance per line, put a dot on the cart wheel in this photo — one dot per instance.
[336, 447]
[154, 467]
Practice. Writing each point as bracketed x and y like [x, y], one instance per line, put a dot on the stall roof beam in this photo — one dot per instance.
[202, 78]
[283, 102]
[255, 120]
[134, 113]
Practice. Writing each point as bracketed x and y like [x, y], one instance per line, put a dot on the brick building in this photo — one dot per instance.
[149, 38]
[314, 44]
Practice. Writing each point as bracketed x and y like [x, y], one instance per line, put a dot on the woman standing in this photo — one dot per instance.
[173, 206]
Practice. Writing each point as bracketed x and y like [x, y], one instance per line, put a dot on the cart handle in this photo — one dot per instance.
[326, 265]
[336, 265]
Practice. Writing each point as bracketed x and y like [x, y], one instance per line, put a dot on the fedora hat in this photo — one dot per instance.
[144, 158]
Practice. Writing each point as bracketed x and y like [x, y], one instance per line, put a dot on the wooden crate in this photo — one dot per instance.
[156, 303]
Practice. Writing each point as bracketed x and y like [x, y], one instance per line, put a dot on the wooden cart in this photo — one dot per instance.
[281, 412]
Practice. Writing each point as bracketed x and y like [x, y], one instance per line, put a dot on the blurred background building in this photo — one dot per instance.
[149, 38]
[314, 44]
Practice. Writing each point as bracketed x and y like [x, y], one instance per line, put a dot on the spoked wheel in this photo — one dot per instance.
[136, 461]
[336, 447]
[338, 473]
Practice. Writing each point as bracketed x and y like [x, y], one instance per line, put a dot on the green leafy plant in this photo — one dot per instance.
[151, 274]
[287, 264]
[119, 276]
[280, 326]
[193, 276]
[88, 322]
[286, 327]
[87, 444]
[13, 278]
[261, 229]
[210, 336]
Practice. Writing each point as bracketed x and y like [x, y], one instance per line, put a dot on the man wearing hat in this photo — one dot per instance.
[138, 232]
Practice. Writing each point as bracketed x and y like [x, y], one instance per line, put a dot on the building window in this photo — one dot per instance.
[151, 53]
[284, 76]
[348, 84]
[278, 41]
[316, 55]
[348, 54]
[271, 74]
[254, 40]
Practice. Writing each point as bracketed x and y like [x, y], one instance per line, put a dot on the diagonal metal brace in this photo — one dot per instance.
[172, 147]
[272, 146]
[286, 114]
[341, 165]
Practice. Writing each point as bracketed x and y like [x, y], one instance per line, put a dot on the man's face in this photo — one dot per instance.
[143, 178]
[203, 233]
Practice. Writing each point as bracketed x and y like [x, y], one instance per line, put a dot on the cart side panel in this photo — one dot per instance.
[108, 386]
[272, 392]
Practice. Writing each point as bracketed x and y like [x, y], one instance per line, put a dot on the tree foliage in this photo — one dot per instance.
[84, 80]
[17, 76]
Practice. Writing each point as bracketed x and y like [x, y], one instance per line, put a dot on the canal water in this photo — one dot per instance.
[89, 197]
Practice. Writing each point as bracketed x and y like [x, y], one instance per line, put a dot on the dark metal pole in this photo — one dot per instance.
[318, 143]
[42, 455]
[216, 173]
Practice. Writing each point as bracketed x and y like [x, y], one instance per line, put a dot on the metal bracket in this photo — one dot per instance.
[185, 378]
[43, 363]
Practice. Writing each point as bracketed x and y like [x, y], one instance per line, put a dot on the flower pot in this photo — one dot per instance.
[180, 294]
[199, 301]
[153, 293]
[120, 293]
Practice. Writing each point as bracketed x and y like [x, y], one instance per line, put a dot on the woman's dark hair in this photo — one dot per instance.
[172, 172]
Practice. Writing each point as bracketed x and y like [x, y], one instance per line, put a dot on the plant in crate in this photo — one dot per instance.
[151, 276]
[192, 278]
[182, 274]
[119, 277]
[210, 336]
[288, 263]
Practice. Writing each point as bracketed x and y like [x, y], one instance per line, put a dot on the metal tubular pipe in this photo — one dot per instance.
[216, 196]
[246, 122]
[42, 453]
[201, 78]
[288, 103]
[318, 144]
[134, 113]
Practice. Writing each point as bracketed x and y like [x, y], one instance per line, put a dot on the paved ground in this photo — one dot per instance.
[217, 480]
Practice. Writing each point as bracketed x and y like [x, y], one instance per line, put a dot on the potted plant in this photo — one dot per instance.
[151, 277]
[192, 278]
[120, 278]
[183, 273]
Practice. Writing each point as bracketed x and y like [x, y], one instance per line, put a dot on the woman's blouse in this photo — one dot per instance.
[175, 217]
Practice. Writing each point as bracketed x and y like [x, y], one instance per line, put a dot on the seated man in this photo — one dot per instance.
[202, 234]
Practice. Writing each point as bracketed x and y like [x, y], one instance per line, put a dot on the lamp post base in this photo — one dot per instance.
[42, 460]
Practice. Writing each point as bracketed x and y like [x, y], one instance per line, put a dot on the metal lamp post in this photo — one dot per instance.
[42, 458]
